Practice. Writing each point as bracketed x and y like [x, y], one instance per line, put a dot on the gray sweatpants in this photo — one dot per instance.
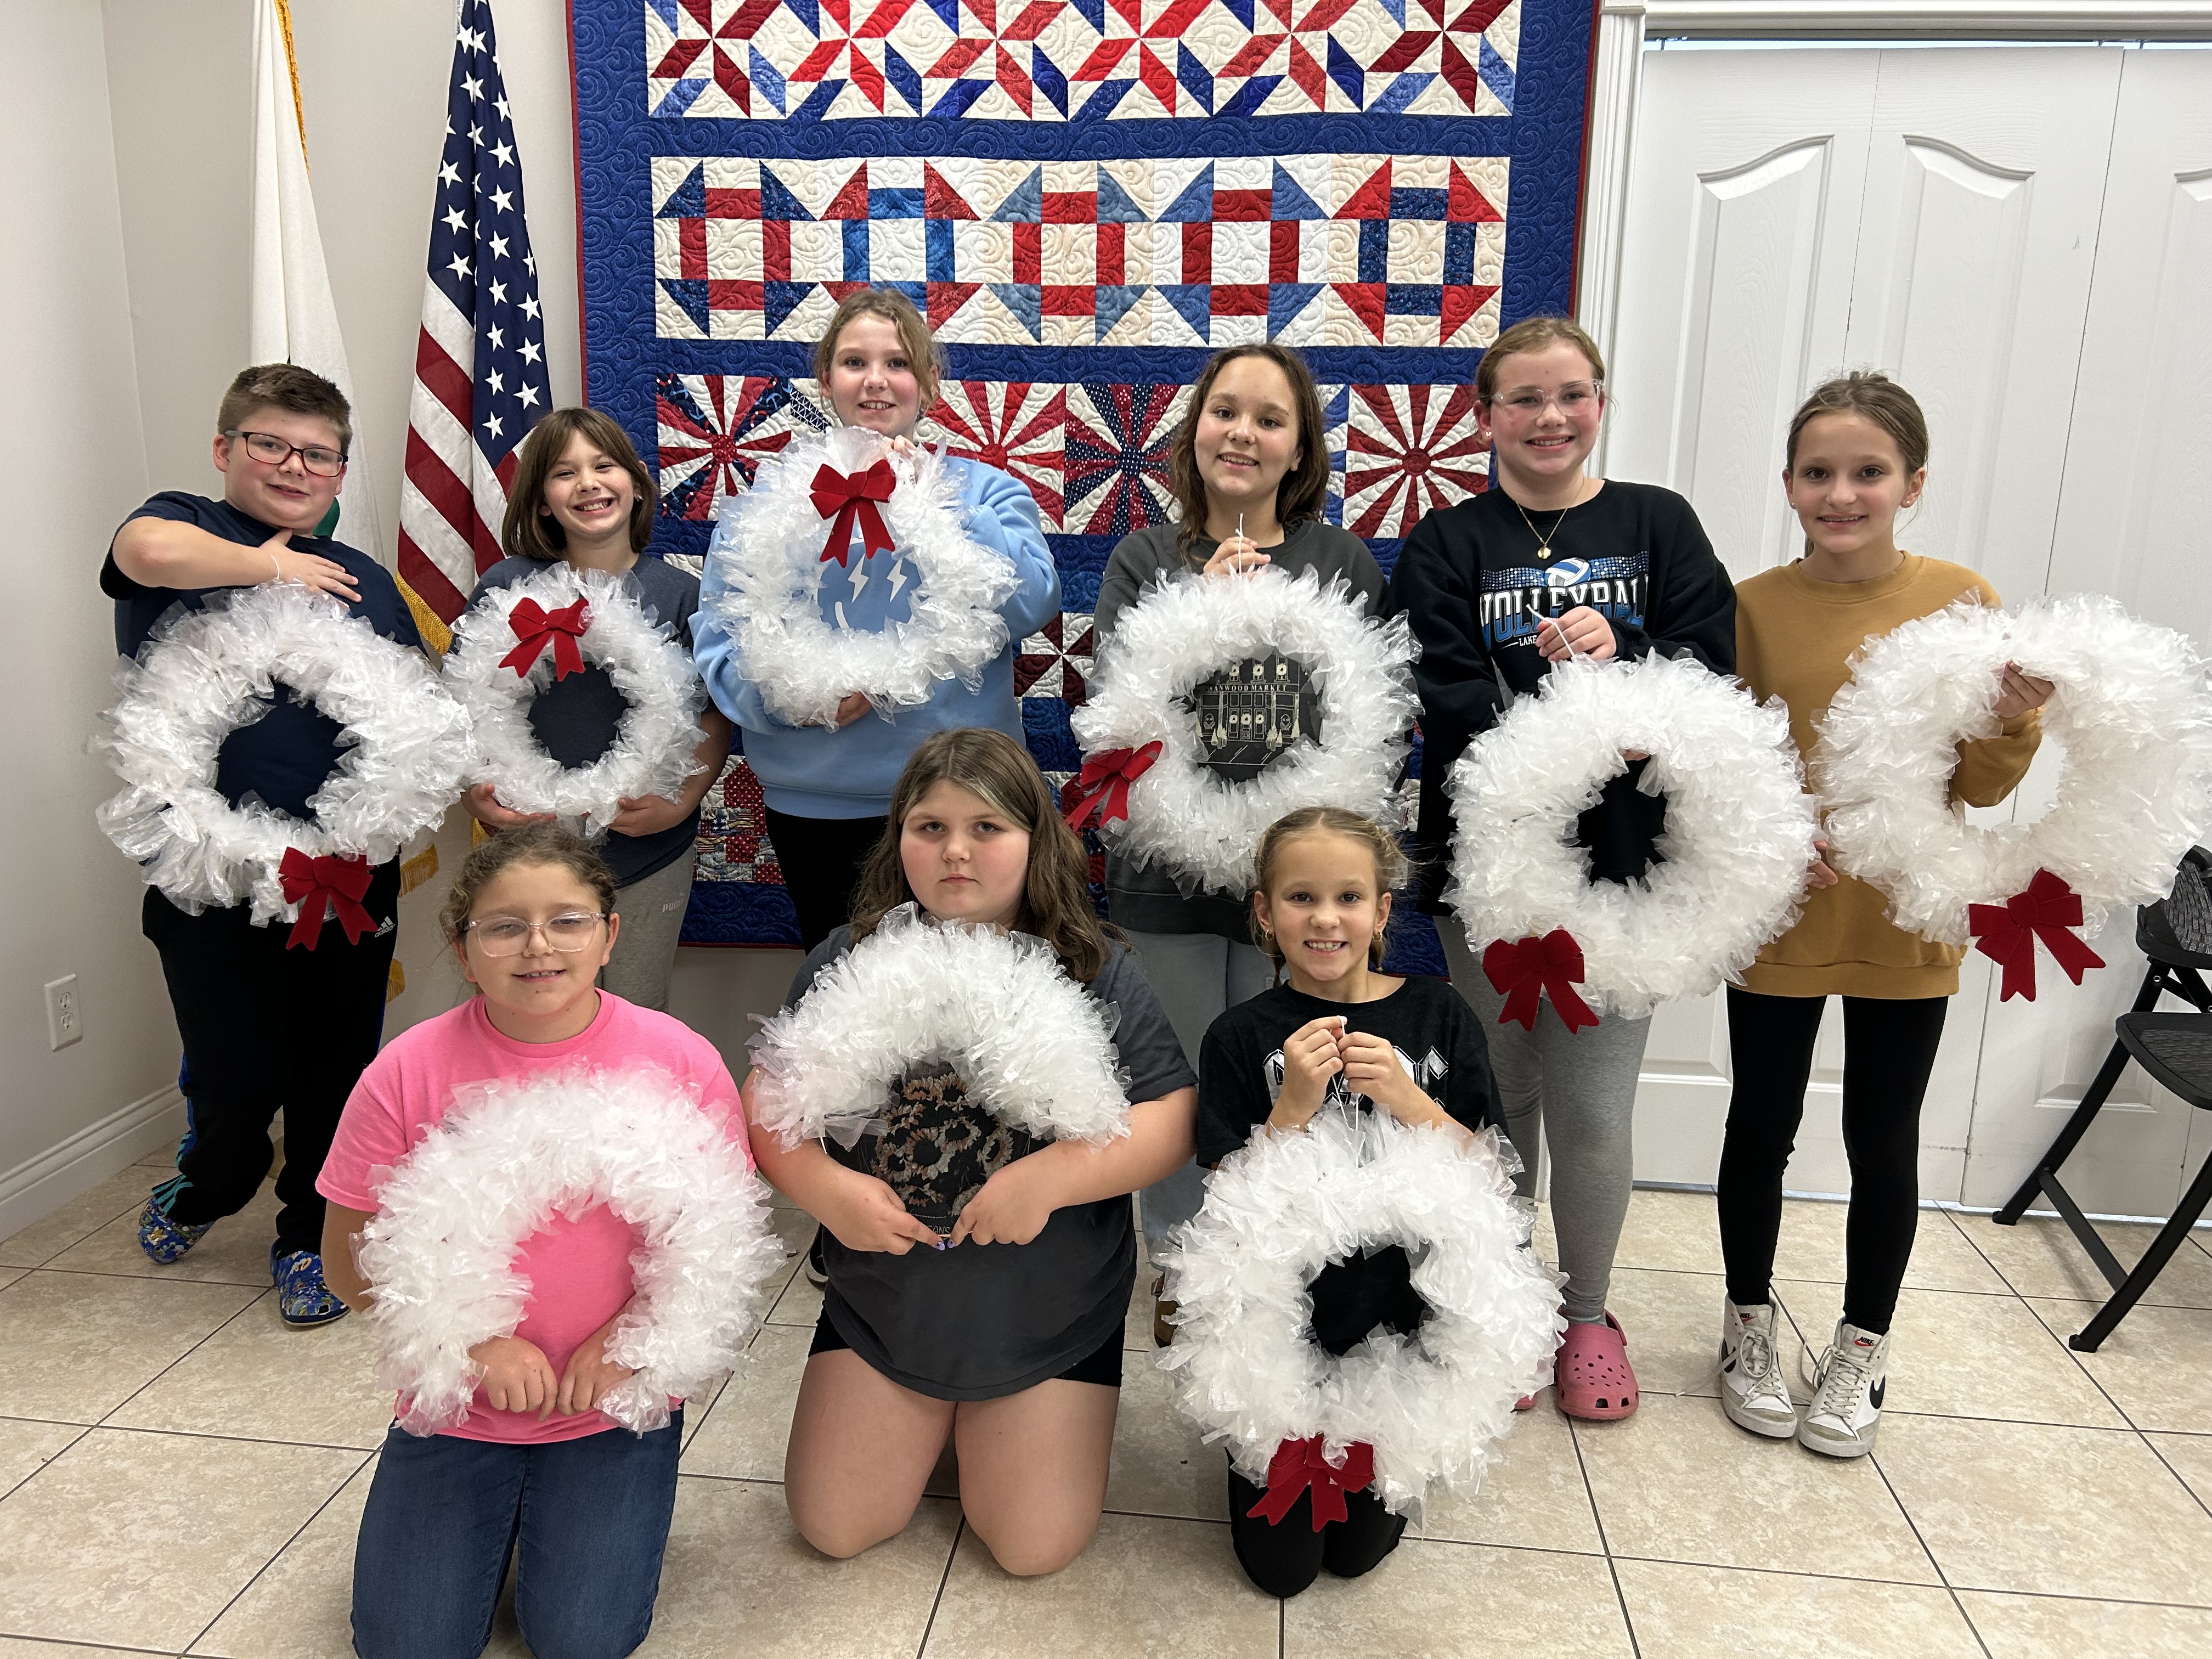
[1197, 977]
[1575, 1092]
[652, 911]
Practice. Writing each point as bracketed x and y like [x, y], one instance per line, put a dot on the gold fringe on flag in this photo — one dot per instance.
[417, 870]
[437, 638]
[292, 63]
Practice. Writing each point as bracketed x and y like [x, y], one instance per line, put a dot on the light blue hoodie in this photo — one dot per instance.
[813, 772]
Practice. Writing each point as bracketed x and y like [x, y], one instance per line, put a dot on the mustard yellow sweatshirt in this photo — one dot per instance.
[1794, 636]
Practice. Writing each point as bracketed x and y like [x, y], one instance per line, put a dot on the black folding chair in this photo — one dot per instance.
[2176, 1050]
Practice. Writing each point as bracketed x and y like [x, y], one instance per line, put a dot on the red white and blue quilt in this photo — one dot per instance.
[1086, 199]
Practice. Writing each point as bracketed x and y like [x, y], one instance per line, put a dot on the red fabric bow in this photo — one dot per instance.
[1101, 789]
[535, 627]
[2047, 909]
[1299, 1464]
[308, 882]
[849, 495]
[1523, 970]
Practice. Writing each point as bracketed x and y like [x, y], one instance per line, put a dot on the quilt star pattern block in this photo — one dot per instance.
[1087, 199]
[1095, 455]
[803, 61]
[1350, 250]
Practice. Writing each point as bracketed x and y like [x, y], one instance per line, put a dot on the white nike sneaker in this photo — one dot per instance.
[1753, 1392]
[1849, 1381]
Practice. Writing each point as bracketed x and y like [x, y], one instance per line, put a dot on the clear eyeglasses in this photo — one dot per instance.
[272, 451]
[506, 936]
[1528, 402]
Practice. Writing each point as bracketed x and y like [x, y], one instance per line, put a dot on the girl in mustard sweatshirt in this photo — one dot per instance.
[1857, 453]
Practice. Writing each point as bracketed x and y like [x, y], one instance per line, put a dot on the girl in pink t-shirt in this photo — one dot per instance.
[531, 919]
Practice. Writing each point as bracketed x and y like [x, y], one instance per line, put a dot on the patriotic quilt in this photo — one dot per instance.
[1086, 199]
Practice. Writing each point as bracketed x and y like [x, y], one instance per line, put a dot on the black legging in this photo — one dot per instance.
[821, 860]
[1283, 1558]
[1889, 1049]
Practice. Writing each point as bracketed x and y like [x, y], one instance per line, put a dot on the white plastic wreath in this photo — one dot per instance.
[201, 676]
[1034, 1047]
[2130, 706]
[770, 547]
[511, 1156]
[1432, 1405]
[1183, 816]
[1738, 839]
[653, 743]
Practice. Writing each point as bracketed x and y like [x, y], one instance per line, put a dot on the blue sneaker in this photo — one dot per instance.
[302, 1298]
[163, 1240]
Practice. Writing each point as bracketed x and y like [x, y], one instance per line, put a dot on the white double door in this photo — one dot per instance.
[2023, 237]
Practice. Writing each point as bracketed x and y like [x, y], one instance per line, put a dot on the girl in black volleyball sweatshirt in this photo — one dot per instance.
[1496, 588]
[1472, 585]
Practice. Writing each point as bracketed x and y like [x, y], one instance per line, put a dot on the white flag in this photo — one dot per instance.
[294, 319]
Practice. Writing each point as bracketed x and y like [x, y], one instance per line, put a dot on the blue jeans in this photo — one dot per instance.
[444, 1513]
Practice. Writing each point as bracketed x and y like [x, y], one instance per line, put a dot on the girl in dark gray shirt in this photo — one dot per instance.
[978, 1277]
[1252, 478]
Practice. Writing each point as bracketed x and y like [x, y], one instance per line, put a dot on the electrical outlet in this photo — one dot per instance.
[64, 1018]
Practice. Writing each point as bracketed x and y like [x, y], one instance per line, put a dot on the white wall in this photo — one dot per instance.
[373, 85]
[77, 464]
[123, 315]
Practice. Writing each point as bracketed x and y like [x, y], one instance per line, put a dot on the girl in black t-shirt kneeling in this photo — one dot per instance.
[1339, 1033]
[977, 1280]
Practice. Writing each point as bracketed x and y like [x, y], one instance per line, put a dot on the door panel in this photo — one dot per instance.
[1744, 199]
[2130, 522]
[1972, 287]
[1943, 216]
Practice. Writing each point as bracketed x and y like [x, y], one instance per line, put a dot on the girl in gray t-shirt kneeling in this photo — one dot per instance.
[978, 1277]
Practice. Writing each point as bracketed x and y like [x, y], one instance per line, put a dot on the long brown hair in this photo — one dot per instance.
[992, 766]
[529, 843]
[1303, 488]
[528, 532]
[1390, 867]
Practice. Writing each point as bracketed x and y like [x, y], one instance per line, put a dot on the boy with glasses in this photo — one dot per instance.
[263, 1027]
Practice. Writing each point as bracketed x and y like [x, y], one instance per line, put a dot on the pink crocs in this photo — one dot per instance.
[1593, 1377]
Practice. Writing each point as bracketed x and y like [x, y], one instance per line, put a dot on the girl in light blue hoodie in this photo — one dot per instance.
[828, 787]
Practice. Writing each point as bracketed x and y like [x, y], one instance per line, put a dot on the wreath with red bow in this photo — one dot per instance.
[517, 643]
[786, 552]
[208, 671]
[2133, 712]
[1145, 781]
[1738, 840]
[1398, 1413]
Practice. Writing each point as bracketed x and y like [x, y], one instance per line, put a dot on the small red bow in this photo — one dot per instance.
[2047, 909]
[337, 879]
[849, 495]
[1523, 970]
[1101, 789]
[1299, 1464]
[535, 626]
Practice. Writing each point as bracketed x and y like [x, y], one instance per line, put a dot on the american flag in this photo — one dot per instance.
[480, 379]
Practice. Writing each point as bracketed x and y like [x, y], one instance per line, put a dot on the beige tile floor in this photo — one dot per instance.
[179, 1473]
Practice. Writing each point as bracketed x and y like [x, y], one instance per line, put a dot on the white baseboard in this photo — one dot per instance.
[39, 1186]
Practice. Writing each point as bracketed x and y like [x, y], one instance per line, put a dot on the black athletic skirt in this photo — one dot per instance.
[1102, 1365]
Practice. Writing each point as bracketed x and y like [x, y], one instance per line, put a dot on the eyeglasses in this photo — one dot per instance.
[272, 451]
[1527, 403]
[505, 936]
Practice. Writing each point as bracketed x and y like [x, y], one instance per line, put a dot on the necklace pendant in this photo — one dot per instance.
[1543, 549]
